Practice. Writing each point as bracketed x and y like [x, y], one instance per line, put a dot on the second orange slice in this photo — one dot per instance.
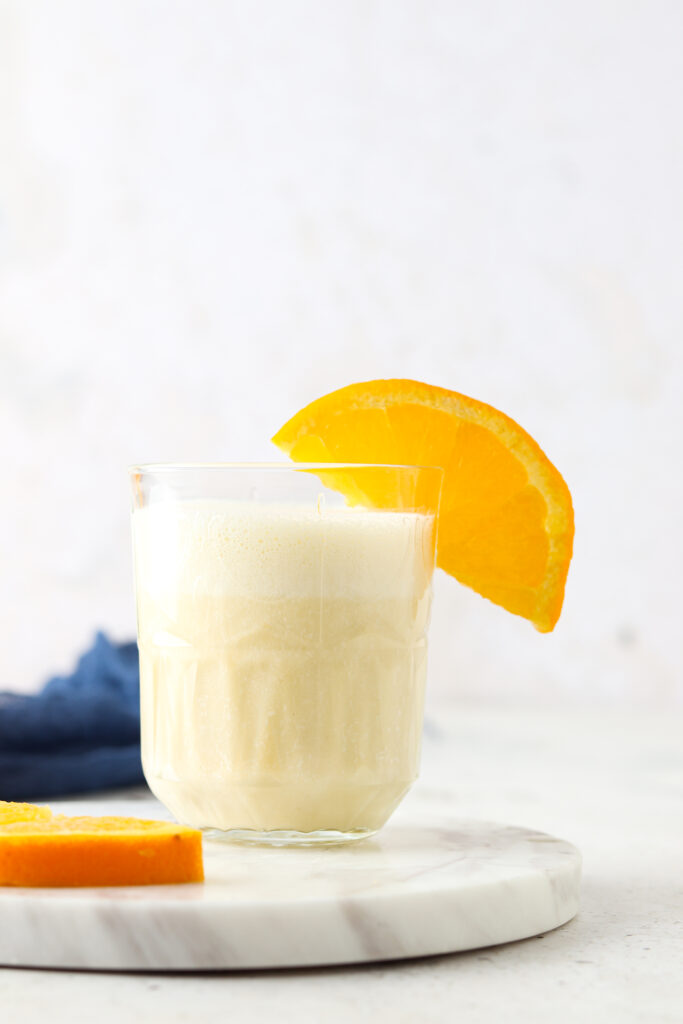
[38, 848]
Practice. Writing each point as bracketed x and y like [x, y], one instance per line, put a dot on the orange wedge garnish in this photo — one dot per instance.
[38, 848]
[506, 523]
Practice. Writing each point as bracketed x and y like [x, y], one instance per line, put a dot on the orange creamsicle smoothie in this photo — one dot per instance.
[282, 661]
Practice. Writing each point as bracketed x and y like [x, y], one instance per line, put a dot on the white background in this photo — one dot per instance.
[213, 212]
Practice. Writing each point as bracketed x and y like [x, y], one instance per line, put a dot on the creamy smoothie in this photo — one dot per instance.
[282, 661]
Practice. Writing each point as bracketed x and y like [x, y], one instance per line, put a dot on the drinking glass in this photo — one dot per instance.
[282, 629]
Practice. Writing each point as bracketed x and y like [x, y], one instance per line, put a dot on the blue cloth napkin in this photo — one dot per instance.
[81, 733]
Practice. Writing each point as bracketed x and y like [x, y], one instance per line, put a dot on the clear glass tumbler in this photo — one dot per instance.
[282, 630]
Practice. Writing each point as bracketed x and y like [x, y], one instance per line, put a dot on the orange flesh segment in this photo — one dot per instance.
[82, 851]
[506, 521]
[11, 812]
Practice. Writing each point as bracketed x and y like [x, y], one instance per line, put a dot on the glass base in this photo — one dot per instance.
[287, 837]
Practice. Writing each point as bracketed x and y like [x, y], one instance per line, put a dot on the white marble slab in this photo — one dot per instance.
[412, 891]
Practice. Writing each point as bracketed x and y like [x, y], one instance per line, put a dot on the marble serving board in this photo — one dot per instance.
[415, 889]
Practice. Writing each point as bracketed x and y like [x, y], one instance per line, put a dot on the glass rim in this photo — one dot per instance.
[170, 467]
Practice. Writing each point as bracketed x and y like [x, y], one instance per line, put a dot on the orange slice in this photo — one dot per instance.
[11, 812]
[506, 523]
[62, 851]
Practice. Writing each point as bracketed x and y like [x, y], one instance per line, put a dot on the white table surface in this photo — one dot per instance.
[611, 782]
